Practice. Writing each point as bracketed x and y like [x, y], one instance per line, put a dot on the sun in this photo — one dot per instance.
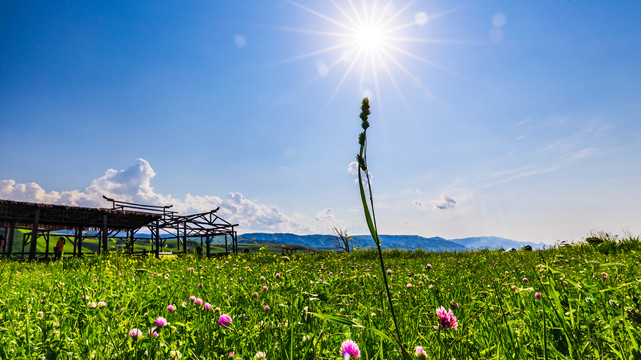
[371, 41]
[369, 37]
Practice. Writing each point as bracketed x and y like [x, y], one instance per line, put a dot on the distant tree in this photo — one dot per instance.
[342, 240]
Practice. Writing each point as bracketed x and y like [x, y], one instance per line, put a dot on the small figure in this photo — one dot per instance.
[199, 251]
[59, 248]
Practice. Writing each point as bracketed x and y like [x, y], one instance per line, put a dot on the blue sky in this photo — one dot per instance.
[518, 119]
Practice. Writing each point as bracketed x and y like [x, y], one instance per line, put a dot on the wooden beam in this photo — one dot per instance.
[34, 234]
[105, 233]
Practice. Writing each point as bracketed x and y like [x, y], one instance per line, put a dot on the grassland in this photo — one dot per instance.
[575, 302]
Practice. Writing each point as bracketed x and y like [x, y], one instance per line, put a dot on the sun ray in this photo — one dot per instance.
[377, 87]
[345, 75]
[397, 14]
[358, 15]
[393, 80]
[403, 69]
[434, 41]
[425, 61]
[314, 32]
[379, 20]
[312, 53]
[345, 13]
[322, 16]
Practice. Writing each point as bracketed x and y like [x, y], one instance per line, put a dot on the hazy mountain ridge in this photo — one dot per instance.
[402, 242]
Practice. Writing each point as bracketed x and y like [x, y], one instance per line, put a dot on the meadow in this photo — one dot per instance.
[576, 302]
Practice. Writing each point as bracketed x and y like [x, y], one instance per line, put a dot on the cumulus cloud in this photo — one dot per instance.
[352, 169]
[134, 185]
[444, 203]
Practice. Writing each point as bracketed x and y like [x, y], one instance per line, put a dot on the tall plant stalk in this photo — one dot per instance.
[370, 217]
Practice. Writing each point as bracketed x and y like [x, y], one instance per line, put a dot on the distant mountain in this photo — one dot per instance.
[493, 242]
[401, 242]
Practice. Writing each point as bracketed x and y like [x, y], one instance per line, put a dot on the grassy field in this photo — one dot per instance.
[576, 302]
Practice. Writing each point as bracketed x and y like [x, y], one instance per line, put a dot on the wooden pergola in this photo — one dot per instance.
[205, 226]
[105, 224]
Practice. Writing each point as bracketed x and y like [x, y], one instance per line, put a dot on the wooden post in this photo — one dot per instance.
[178, 239]
[157, 239]
[79, 241]
[34, 234]
[12, 228]
[234, 238]
[6, 241]
[46, 235]
[208, 245]
[105, 233]
[226, 250]
[184, 239]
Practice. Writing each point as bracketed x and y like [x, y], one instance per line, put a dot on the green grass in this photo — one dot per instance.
[321, 300]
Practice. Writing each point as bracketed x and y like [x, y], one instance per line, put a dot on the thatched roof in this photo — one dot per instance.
[55, 217]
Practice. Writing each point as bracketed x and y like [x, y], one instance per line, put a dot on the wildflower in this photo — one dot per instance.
[192, 298]
[431, 286]
[102, 303]
[524, 279]
[135, 334]
[200, 285]
[277, 275]
[605, 276]
[171, 308]
[419, 352]
[91, 304]
[506, 272]
[152, 332]
[389, 271]
[420, 283]
[175, 354]
[446, 319]
[513, 287]
[198, 301]
[122, 309]
[409, 286]
[231, 354]
[207, 306]
[260, 356]
[429, 266]
[265, 288]
[40, 314]
[266, 307]
[565, 282]
[224, 320]
[537, 295]
[262, 278]
[255, 294]
[350, 349]
[161, 321]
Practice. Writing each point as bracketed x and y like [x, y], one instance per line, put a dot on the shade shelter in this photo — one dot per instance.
[178, 229]
[122, 222]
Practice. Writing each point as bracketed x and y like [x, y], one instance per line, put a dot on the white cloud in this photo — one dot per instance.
[240, 41]
[352, 169]
[444, 203]
[134, 185]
